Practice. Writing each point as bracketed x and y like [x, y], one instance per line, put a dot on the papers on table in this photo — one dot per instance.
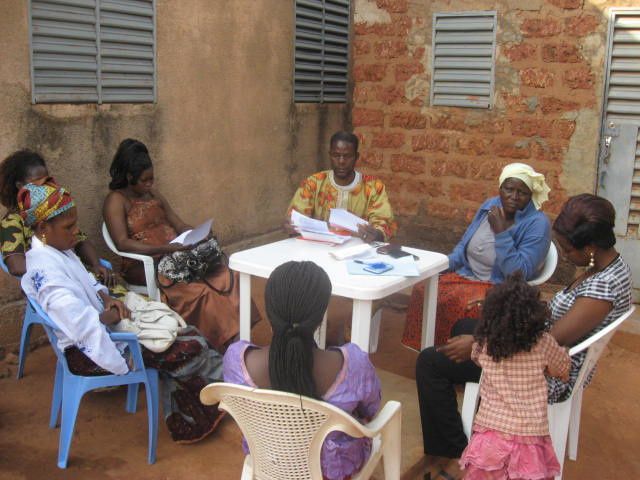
[315, 230]
[341, 218]
[191, 237]
[357, 251]
[403, 267]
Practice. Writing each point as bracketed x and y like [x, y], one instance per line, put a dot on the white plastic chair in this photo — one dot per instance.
[550, 264]
[564, 417]
[151, 288]
[285, 432]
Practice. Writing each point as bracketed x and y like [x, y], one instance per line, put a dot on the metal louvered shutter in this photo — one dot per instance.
[321, 63]
[622, 101]
[463, 59]
[93, 51]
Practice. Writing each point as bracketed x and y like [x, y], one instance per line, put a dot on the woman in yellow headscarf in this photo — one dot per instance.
[508, 233]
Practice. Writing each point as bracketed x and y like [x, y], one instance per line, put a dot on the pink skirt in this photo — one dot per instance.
[493, 455]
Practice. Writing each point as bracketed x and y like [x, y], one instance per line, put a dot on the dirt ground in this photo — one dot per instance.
[111, 444]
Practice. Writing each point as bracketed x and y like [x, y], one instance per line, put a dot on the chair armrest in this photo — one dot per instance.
[137, 256]
[134, 346]
[384, 416]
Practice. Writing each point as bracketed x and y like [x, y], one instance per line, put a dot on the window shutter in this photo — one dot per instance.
[623, 85]
[321, 51]
[463, 59]
[92, 51]
[63, 51]
[127, 51]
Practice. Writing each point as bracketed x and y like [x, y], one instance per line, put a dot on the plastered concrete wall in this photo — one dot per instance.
[440, 163]
[226, 139]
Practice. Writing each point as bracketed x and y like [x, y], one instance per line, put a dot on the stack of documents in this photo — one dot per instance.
[341, 218]
[315, 230]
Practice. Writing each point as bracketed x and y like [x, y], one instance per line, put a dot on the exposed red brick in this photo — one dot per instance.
[548, 152]
[389, 49]
[485, 125]
[388, 140]
[518, 103]
[363, 93]
[447, 121]
[418, 53]
[473, 146]
[521, 51]
[361, 47]
[390, 94]
[455, 167]
[372, 160]
[370, 72]
[446, 211]
[409, 120]
[433, 142]
[540, 27]
[398, 27]
[487, 170]
[536, 77]
[405, 71]
[367, 117]
[406, 205]
[567, 4]
[413, 164]
[555, 105]
[529, 127]
[397, 183]
[511, 149]
[472, 191]
[581, 25]
[561, 53]
[393, 6]
[579, 78]
[564, 128]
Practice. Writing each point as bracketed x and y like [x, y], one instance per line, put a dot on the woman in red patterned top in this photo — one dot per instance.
[510, 431]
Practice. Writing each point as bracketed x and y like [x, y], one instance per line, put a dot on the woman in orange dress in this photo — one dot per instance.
[140, 220]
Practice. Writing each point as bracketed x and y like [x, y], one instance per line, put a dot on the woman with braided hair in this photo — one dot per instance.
[296, 298]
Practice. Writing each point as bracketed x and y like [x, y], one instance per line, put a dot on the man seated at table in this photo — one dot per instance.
[344, 187]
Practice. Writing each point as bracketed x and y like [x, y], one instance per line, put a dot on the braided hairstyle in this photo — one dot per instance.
[15, 168]
[587, 219]
[296, 297]
[131, 158]
[513, 318]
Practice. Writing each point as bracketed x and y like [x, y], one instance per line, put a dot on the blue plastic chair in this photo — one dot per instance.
[69, 388]
[31, 318]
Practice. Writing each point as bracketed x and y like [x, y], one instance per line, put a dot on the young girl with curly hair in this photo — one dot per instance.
[511, 432]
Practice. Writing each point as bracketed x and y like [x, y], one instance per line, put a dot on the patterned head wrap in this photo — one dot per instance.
[42, 201]
[532, 179]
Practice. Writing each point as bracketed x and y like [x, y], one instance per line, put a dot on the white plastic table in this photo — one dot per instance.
[363, 289]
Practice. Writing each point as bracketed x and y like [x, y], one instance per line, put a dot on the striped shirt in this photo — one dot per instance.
[613, 284]
[514, 390]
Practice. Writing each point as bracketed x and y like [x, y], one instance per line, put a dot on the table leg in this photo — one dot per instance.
[429, 312]
[320, 334]
[245, 306]
[361, 324]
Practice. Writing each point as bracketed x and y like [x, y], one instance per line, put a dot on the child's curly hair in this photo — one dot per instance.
[513, 318]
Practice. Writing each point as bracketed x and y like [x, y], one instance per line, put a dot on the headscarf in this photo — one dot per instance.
[42, 201]
[532, 179]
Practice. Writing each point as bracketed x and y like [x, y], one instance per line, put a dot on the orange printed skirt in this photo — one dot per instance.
[458, 297]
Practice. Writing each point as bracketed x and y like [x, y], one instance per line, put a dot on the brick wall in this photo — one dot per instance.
[440, 163]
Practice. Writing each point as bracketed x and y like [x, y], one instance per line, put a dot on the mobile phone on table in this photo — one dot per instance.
[377, 267]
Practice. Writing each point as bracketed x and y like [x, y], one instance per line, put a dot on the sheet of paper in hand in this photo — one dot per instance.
[196, 235]
[341, 218]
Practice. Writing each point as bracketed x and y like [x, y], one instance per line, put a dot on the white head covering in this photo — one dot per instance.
[532, 179]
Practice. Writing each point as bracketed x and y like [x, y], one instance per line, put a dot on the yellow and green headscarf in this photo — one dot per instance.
[43, 201]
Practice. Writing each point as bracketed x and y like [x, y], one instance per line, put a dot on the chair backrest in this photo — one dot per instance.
[285, 432]
[549, 266]
[49, 327]
[107, 239]
[595, 345]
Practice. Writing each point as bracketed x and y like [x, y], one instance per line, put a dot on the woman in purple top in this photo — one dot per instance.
[296, 297]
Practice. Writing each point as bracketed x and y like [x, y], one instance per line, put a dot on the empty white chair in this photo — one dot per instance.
[151, 288]
[285, 432]
[564, 417]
